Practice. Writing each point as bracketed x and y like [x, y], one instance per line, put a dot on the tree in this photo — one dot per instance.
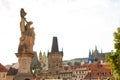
[69, 63]
[77, 63]
[114, 57]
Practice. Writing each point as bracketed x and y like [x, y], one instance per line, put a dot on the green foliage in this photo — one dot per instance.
[114, 57]
[112, 78]
[76, 63]
[64, 63]
[69, 63]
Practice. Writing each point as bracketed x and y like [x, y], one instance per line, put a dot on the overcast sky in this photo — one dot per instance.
[78, 24]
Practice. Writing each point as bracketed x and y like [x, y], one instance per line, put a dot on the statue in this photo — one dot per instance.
[27, 34]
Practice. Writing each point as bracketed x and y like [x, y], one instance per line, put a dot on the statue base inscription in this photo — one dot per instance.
[24, 72]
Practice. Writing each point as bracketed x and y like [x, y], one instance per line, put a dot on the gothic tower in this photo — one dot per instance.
[55, 58]
[90, 55]
[96, 53]
[40, 57]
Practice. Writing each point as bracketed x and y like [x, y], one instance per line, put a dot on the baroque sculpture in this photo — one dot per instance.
[27, 34]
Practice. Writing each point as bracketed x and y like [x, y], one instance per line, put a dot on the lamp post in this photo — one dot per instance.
[33, 71]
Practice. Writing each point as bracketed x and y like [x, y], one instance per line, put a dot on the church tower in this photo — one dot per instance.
[90, 55]
[55, 58]
[96, 53]
[40, 57]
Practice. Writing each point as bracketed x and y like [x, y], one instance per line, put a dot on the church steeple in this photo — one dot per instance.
[95, 47]
[55, 45]
[96, 50]
[40, 56]
[90, 53]
[101, 51]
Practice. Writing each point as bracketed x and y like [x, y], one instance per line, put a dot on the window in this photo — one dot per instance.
[110, 73]
[56, 64]
[104, 74]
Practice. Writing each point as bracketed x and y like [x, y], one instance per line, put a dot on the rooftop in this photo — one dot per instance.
[12, 71]
[2, 68]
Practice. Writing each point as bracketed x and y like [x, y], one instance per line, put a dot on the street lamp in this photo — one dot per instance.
[33, 71]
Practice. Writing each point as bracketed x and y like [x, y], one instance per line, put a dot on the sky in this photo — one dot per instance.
[78, 24]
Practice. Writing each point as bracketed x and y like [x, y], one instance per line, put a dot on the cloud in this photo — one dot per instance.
[4, 4]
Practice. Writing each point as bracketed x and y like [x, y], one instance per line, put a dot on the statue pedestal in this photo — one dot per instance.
[24, 72]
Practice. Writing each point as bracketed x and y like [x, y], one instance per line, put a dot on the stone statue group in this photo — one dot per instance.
[27, 34]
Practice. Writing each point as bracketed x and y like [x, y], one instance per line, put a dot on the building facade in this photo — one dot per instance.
[11, 73]
[3, 72]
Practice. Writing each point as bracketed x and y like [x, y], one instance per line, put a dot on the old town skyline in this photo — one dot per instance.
[79, 26]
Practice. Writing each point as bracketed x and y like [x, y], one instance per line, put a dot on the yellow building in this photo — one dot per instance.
[3, 72]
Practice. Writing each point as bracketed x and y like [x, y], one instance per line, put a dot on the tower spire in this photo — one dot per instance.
[95, 47]
[89, 53]
[96, 50]
[55, 45]
[101, 51]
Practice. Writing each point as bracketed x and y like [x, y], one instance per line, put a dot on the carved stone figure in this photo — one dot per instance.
[27, 35]
[23, 19]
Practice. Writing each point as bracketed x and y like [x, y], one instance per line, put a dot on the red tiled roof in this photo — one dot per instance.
[2, 68]
[12, 71]
[97, 70]
[104, 73]
[66, 67]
